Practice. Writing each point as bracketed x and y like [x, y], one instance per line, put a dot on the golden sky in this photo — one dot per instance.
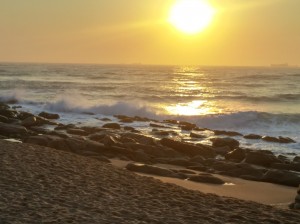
[243, 32]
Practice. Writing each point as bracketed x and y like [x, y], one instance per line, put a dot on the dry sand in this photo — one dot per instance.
[42, 185]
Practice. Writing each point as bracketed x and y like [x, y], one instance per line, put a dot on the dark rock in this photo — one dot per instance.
[76, 131]
[112, 126]
[49, 115]
[92, 130]
[127, 140]
[206, 178]
[285, 140]
[87, 113]
[222, 150]
[296, 159]
[197, 168]
[295, 166]
[4, 106]
[9, 113]
[23, 115]
[220, 142]
[157, 125]
[187, 127]
[270, 139]
[129, 128]
[261, 158]
[148, 169]
[177, 161]
[282, 177]
[105, 119]
[11, 130]
[252, 136]
[188, 149]
[127, 120]
[228, 133]
[236, 155]
[160, 132]
[3, 119]
[200, 129]
[186, 171]
[97, 137]
[197, 159]
[238, 170]
[140, 156]
[60, 134]
[283, 158]
[171, 121]
[109, 140]
[195, 135]
[30, 121]
[281, 166]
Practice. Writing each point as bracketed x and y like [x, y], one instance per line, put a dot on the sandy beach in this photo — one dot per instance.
[43, 185]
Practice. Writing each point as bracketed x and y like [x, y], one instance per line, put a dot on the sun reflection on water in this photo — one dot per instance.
[196, 107]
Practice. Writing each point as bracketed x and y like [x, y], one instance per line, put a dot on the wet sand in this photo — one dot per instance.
[43, 185]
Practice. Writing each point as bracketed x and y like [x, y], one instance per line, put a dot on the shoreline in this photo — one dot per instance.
[223, 168]
[60, 187]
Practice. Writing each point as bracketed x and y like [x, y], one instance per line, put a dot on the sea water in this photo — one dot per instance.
[260, 100]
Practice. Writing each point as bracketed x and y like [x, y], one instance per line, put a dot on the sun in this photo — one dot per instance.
[191, 16]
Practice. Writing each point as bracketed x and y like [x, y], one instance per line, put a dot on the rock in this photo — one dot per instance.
[197, 159]
[3, 119]
[261, 158]
[105, 119]
[23, 115]
[222, 150]
[195, 135]
[30, 121]
[296, 159]
[11, 130]
[108, 140]
[97, 137]
[229, 133]
[77, 131]
[127, 120]
[4, 106]
[112, 126]
[160, 132]
[49, 115]
[171, 121]
[188, 149]
[220, 142]
[283, 158]
[241, 170]
[129, 128]
[157, 125]
[206, 178]
[286, 140]
[252, 136]
[187, 127]
[197, 168]
[9, 113]
[270, 139]
[140, 156]
[148, 169]
[282, 177]
[236, 155]
[177, 161]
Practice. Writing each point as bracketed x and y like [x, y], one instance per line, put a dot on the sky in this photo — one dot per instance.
[242, 33]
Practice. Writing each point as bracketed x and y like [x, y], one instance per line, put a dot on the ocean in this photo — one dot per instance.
[260, 100]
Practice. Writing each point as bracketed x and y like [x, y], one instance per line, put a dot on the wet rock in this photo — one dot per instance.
[157, 125]
[109, 140]
[296, 159]
[105, 119]
[252, 136]
[3, 119]
[283, 158]
[195, 135]
[77, 131]
[286, 140]
[148, 169]
[176, 161]
[9, 113]
[4, 106]
[23, 115]
[198, 168]
[228, 133]
[127, 128]
[127, 140]
[170, 121]
[49, 115]
[222, 150]
[187, 127]
[281, 166]
[220, 142]
[127, 120]
[261, 158]
[270, 139]
[30, 121]
[11, 130]
[282, 177]
[206, 178]
[160, 132]
[112, 126]
[140, 156]
[236, 155]
[188, 149]
[43, 121]
[197, 159]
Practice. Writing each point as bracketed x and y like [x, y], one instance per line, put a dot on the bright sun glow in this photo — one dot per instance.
[191, 16]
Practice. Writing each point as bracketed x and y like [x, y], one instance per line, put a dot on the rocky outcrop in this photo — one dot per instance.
[188, 149]
[206, 178]
[49, 115]
[195, 135]
[252, 136]
[261, 158]
[228, 133]
[236, 155]
[112, 126]
[220, 142]
[77, 131]
[153, 170]
[11, 130]
[282, 177]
